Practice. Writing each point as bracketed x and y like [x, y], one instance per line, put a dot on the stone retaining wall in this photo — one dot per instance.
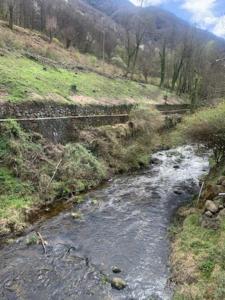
[63, 130]
[51, 109]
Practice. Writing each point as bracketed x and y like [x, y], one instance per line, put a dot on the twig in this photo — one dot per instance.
[54, 173]
[42, 241]
[200, 192]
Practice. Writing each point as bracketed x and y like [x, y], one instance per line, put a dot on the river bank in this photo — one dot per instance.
[124, 224]
[198, 251]
[35, 173]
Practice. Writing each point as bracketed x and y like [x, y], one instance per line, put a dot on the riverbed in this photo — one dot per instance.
[124, 224]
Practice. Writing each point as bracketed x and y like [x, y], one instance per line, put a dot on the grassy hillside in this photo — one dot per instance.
[33, 69]
[29, 80]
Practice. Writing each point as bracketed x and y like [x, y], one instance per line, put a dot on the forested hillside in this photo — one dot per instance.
[147, 44]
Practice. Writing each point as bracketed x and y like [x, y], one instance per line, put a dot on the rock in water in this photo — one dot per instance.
[118, 283]
[211, 206]
[176, 167]
[177, 192]
[76, 215]
[116, 270]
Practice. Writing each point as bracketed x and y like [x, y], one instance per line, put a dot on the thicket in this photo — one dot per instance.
[206, 127]
[34, 171]
[126, 146]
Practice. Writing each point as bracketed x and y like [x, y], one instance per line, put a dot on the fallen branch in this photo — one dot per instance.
[42, 241]
[200, 193]
[53, 176]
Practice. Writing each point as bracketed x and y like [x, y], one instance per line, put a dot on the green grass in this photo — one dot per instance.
[207, 248]
[19, 77]
[15, 194]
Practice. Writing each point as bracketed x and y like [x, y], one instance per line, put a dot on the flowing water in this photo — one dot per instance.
[123, 224]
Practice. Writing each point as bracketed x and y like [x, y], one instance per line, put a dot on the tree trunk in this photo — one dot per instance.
[163, 65]
[50, 36]
[11, 15]
[68, 43]
[176, 73]
[194, 92]
[135, 60]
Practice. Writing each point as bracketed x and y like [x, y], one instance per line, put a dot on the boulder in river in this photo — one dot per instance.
[116, 269]
[176, 167]
[178, 192]
[118, 283]
[155, 161]
[211, 206]
[76, 215]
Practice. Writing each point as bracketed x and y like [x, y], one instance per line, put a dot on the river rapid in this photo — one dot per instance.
[123, 224]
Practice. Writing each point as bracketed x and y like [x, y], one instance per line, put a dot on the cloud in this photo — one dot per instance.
[201, 10]
[203, 14]
[150, 2]
[219, 28]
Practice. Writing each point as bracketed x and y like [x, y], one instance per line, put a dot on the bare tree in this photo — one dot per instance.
[51, 25]
[162, 55]
[11, 6]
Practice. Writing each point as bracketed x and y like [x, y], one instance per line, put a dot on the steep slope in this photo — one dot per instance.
[164, 22]
[43, 71]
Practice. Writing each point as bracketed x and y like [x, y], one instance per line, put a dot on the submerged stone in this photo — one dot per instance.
[76, 215]
[118, 283]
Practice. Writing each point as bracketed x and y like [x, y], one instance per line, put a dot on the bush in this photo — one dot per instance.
[206, 127]
[117, 61]
[80, 169]
[146, 119]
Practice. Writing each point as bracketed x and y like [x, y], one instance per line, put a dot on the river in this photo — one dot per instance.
[124, 223]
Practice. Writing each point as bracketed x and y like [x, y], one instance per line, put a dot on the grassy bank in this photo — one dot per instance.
[198, 259]
[198, 247]
[29, 80]
[34, 171]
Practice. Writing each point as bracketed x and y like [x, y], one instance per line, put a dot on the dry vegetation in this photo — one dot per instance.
[24, 40]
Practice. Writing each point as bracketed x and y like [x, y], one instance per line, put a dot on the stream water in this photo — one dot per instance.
[123, 224]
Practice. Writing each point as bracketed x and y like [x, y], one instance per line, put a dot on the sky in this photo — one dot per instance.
[205, 14]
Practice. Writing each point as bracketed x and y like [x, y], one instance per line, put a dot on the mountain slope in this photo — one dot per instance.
[111, 6]
[164, 21]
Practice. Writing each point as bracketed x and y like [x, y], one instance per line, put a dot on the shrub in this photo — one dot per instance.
[117, 61]
[207, 267]
[80, 169]
[146, 119]
[206, 127]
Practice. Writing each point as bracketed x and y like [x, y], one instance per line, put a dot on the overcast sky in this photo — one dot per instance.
[206, 14]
